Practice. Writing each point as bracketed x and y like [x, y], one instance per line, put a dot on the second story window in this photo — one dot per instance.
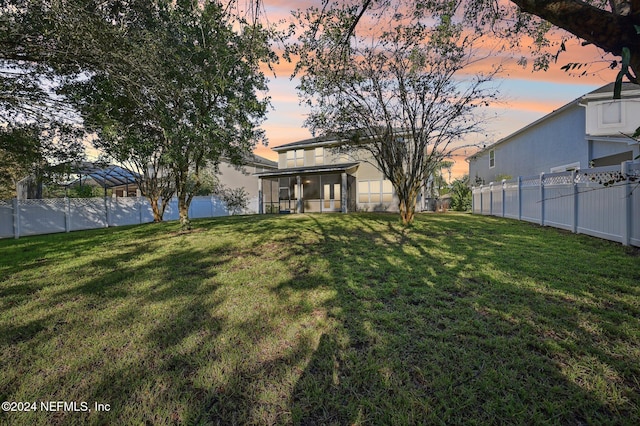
[492, 158]
[319, 155]
[295, 158]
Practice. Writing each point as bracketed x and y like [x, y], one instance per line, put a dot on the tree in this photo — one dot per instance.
[461, 194]
[400, 94]
[197, 102]
[613, 26]
[36, 151]
[214, 109]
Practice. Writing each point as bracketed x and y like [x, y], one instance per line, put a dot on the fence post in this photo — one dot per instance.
[504, 192]
[490, 198]
[575, 201]
[106, 211]
[16, 218]
[67, 214]
[542, 199]
[519, 197]
[260, 197]
[627, 204]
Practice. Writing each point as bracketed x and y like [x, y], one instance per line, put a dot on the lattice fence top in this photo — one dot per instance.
[6, 204]
[558, 179]
[601, 178]
[530, 181]
[49, 202]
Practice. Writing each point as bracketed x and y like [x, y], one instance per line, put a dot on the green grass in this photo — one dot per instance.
[322, 319]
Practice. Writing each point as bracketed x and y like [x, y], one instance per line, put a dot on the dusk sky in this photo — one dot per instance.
[526, 95]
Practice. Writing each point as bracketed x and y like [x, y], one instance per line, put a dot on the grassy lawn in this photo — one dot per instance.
[322, 319]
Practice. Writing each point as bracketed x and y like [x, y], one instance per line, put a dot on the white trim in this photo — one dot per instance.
[612, 139]
[565, 167]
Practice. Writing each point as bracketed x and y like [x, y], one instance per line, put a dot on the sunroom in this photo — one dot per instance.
[319, 189]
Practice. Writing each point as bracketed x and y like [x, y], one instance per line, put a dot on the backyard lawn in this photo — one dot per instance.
[320, 319]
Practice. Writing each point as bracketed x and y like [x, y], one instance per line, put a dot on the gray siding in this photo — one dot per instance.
[555, 141]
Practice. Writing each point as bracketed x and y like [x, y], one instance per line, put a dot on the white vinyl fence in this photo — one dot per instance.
[35, 217]
[603, 201]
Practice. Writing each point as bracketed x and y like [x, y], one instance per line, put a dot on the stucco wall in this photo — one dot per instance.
[232, 178]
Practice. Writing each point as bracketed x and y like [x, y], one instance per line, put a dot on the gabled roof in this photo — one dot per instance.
[260, 161]
[603, 92]
[607, 89]
[553, 113]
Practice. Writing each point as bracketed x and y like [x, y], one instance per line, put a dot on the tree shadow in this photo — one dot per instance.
[425, 335]
[328, 319]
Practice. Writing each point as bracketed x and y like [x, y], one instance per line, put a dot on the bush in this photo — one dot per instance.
[236, 199]
[461, 195]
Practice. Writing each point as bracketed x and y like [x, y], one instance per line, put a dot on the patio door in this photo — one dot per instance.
[331, 196]
[284, 200]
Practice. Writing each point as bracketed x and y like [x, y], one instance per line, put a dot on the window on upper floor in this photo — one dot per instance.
[319, 155]
[492, 158]
[295, 158]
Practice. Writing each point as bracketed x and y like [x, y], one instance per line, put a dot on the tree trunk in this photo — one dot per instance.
[183, 209]
[407, 210]
[157, 211]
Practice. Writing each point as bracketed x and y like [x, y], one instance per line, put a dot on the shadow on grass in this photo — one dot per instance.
[436, 328]
[325, 319]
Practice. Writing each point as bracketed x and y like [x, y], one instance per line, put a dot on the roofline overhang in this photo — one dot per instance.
[300, 171]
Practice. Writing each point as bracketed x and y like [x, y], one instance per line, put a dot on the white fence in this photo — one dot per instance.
[35, 217]
[603, 201]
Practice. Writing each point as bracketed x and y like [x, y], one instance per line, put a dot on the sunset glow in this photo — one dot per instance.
[525, 95]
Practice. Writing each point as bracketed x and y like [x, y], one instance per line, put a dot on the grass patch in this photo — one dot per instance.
[312, 319]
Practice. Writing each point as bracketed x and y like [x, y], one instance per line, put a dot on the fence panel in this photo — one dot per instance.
[603, 202]
[42, 216]
[511, 201]
[124, 211]
[6, 219]
[496, 198]
[601, 208]
[633, 191]
[530, 203]
[559, 200]
[485, 208]
[87, 213]
[207, 206]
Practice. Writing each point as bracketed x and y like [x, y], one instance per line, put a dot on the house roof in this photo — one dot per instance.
[260, 161]
[330, 168]
[317, 141]
[107, 176]
[605, 91]
[560, 110]
[331, 139]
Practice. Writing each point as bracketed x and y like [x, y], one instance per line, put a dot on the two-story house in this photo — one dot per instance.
[313, 176]
[587, 132]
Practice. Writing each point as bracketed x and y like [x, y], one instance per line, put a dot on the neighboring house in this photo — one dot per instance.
[587, 132]
[313, 177]
[233, 177]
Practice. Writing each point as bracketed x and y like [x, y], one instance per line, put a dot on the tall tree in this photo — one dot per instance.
[401, 94]
[613, 26]
[215, 106]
